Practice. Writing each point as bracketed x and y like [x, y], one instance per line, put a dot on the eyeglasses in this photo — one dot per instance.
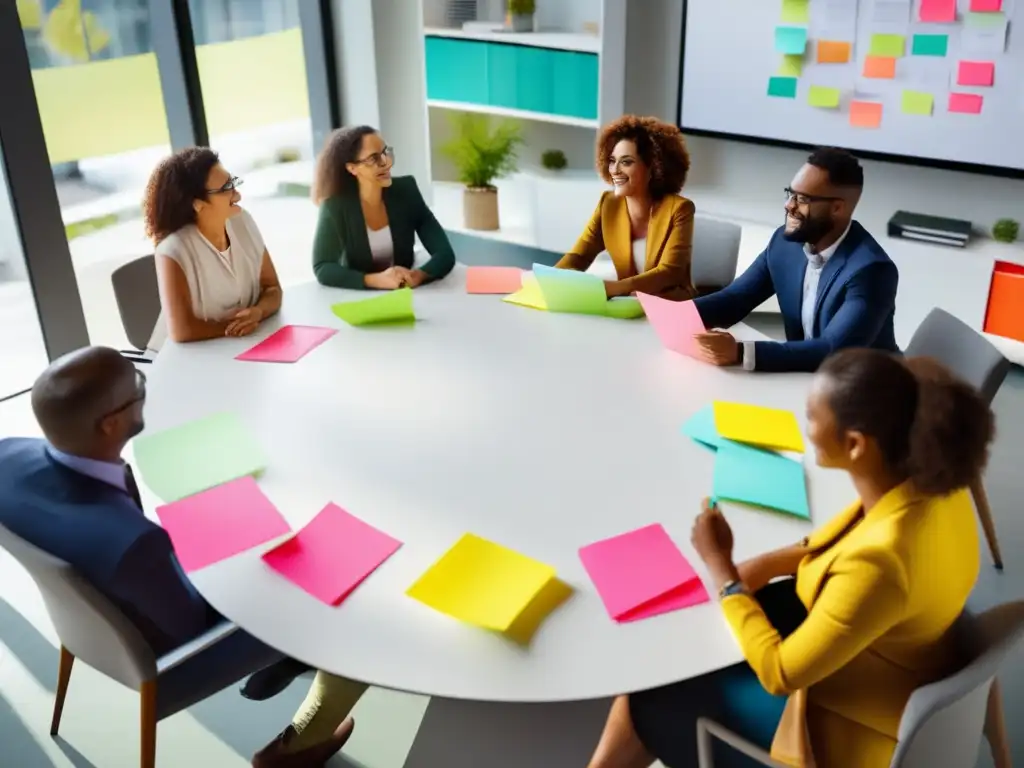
[802, 199]
[140, 395]
[229, 186]
[379, 159]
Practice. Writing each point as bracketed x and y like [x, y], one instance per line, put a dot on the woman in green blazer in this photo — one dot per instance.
[369, 220]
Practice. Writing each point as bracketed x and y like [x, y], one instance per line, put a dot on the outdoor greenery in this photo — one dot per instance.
[482, 152]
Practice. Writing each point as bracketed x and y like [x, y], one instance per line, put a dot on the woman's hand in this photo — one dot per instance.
[244, 322]
[712, 538]
[613, 289]
[388, 280]
[415, 278]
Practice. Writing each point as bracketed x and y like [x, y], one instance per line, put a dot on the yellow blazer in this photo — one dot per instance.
[669, 246]
[881, 592]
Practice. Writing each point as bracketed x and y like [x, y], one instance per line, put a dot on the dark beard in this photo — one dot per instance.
[809, 231]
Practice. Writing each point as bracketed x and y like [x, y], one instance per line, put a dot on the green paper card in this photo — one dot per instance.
[792, 65]
[760, 478]
[390, 307]
[566, 290]
[782, 87]
[624, 308]
[889, 46]
[930, 45]
[917, 103]
[791, 39]
[197, 456]
[820, 96]
[701, 428]
[796, 11]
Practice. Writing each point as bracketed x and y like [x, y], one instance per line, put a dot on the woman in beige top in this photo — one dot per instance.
[216, 276]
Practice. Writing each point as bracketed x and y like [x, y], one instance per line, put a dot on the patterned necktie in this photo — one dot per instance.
[131, 486]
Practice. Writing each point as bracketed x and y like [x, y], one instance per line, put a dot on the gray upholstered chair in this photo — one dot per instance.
[943, 722]
[92, 629]
[716, 249]
[974, 359]
[138, 301]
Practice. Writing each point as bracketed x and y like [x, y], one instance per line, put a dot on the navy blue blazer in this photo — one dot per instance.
[855, 306]
[100, 531]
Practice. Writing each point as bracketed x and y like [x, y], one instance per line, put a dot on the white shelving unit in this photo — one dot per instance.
[517, 114]
[563, 41]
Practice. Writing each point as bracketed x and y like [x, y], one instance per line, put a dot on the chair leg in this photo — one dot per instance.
[147, 724]
[987, 524]
[995, 727]
[67, 659]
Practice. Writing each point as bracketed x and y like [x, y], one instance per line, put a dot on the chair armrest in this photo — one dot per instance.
[194, 647]
[707, 728]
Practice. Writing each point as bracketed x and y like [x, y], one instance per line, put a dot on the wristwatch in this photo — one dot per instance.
[734, 587]
[741, 350]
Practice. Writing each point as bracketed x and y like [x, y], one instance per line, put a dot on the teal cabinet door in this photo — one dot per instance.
[502, 75]
[457, 70]
[534, 70]
[575, 79]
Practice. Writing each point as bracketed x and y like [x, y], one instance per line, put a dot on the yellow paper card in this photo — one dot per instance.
[491, 586]
[756, 425]
[529, 295]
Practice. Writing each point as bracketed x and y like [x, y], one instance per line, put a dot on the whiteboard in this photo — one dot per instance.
[729, 55]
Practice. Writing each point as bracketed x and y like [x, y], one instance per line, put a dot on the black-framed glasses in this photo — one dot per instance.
[229, 186]
[379, 159]
[140, 395]
[802, 199]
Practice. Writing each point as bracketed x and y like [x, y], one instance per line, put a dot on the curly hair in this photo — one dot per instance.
[174, 185]
[660, 145]
[342, 146]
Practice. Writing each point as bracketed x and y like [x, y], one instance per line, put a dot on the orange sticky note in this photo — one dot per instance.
[832, 52]
[865, 114]
[493, 279]
[880, 67]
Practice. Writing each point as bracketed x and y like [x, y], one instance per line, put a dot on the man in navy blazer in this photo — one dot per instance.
[836, 286]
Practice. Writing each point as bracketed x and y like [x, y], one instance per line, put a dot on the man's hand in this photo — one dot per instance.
[244, 322]
[718, 348]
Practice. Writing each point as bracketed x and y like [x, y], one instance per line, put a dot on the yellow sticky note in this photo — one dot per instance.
[822, 96]
[529, 295]
[796, 11]
[483, 583]
[917, 103]
[792, 65]
[756, 425]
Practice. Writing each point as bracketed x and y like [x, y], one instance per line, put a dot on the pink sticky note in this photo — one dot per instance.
[287, 344]
[642, 574]
[332, 555]
[493, 279]
[965, 103]
[221, 522]
[675, 322]
[986, 6]
[938, 11]
[976, 73]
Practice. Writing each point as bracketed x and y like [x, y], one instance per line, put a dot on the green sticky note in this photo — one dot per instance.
[566, 290]
[197, 456]
[985, 19]
[390, 307]
[624, 308]
[783, 87]
[930, 45]
[917, 103]
[760, 478]
[890, 46]
[796, 11]
[791, 39]
[792, 65]
[822, 96]
[701, 428]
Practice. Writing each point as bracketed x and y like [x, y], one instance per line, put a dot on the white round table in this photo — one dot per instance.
[542, 432]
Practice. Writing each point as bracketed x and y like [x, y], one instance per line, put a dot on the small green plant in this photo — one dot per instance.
[522, 7]
[553, 159]
[1005, 230]
[482, 153]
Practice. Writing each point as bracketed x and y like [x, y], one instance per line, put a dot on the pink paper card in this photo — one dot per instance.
[288, 344]
[642, 574]
[986, 6]
[976, 73]
[219, 523]
[965, 103]
[332, 555]
[493, 279]
[675, 322]
[938, 11]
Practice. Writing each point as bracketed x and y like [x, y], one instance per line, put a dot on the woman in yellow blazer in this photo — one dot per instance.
[879, 586]
[643, 223]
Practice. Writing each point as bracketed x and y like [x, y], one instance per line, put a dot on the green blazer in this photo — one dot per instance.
[341, 249]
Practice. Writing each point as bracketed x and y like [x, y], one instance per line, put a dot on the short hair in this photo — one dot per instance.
[341, 146]
[660, 145]
[843, 169]
[175, 184]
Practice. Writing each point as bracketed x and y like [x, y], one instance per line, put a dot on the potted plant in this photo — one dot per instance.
[1005, 230]
[553, 159]
[482, 153]
[521, 15]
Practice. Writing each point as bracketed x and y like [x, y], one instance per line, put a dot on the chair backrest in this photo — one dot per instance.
[87, 623]
[138, 299]
[716, 249]
[963, 350]
[942, 723]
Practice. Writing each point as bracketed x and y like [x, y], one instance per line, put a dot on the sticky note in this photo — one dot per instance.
[760, 478]
[892, 46]
[529, 295]
[880, 67]
[642, 574]
[624, 308]
[566, 290]
[192, 457]
[756, 425]
[675, 323]
[288, 344]
[965, 103]
[390, 307]
[782, 87]
[493, 279]
[821, 96]
[976, 73]
[938, 11]
[917, 103]
[220, 522]
[833, 52]
[332, 554]
[790, 39]
[791, 65]
[795, 11]
[986, 6]
[986, 20]
[701, 428]
[488, 585]
[865, 114]
[929, 45]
